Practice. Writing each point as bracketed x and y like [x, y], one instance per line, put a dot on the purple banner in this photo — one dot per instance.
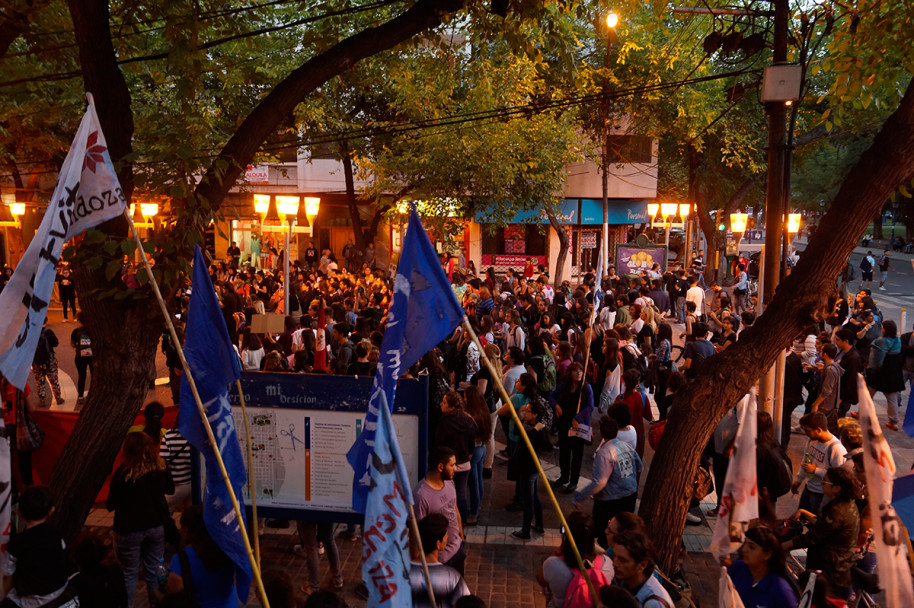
[634, 260]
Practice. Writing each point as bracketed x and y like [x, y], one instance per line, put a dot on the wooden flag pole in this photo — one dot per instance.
[251, 479]
[255, 569]
[536, 460]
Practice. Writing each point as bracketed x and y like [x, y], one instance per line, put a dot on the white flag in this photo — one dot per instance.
[739, 502]
[806, 598]
[889, 533]
[87, 194]
[6, 486]
[727, 595]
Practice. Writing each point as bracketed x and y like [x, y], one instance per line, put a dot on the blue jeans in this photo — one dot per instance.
[530, 499]
[310, 534]
[476, 488]
[147, 546]
[461, 482]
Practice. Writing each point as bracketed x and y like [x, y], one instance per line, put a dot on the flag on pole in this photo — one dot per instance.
[739, 503]
[879, 465]
[598, 294]
[727, 595]
[320, 342]
[424, 311]
[808, 592]
[87, 194]
[385, 542]
[214, 366]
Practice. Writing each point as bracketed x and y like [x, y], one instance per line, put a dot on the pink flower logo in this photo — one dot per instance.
[94, 152]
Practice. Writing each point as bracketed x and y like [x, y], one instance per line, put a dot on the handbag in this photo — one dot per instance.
[29, 435]
[582, 431]
[701, 485]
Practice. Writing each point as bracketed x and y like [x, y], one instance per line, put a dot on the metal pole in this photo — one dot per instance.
[285, 276]
[605, 116]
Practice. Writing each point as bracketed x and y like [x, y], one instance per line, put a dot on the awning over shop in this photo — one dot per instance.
[621, 211]
[574, 212]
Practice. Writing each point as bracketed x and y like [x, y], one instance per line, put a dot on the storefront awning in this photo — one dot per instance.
[574, 212]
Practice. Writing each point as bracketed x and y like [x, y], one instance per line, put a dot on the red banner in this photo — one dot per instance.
[57, 427]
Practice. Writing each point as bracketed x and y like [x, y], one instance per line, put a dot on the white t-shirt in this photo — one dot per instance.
[628, 435]
[696, 294]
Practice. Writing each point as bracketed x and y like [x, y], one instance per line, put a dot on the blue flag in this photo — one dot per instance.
[385, 542]
[214, 366]
[424, 311]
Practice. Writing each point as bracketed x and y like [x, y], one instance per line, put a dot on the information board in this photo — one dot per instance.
[301, 427]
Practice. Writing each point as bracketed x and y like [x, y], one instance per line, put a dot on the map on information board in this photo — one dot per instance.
[301, 427]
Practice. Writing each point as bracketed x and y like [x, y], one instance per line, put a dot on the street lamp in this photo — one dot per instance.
[793, 223]
[738, 222]
[287, 206]
[611, 21]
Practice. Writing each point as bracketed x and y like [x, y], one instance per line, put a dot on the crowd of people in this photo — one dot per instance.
[587, 366]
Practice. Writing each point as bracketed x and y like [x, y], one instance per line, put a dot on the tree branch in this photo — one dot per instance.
[263, 120]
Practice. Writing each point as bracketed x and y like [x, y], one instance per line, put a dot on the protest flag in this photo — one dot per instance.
[424, 311]
[320, 342]
[385, 542]
[87, 194]
[808, 592]
[727, 596]
[214, 365]
[888, 530]
[739, 502]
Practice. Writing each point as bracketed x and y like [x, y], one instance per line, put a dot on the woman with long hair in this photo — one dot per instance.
[524, 466]
[563, 360]
[487, 387]
[760, 574]
[612, 374]
[478, 410]
[573, 404]
[252, 352]
[832, 533]
[558, 570]
[137, 497]
[457, 431]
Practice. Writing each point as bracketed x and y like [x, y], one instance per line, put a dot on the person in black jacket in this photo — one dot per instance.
[457, 431]
[137, 497]
[44, 365]
[523, 465]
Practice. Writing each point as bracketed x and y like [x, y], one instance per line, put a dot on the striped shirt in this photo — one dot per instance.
[175, 450]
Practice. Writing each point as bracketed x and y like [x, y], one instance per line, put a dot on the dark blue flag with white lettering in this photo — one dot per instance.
[214, 365]
[424, 311]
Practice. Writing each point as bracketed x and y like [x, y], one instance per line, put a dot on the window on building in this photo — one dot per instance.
[631, 149]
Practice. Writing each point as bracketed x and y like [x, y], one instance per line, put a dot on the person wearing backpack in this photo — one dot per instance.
[559, 575]
[541, 365]
[774, 471]
[82, 345]
[633, 560]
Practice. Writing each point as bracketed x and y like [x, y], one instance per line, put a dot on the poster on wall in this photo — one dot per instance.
[505, 261]
[635, 260]
[301, 427]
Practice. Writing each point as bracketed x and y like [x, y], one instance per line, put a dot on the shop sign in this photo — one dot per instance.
[257, 175]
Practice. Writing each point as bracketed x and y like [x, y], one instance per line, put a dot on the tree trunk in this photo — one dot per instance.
[799, 300]
[877, 226]
[564, 246]
[281, 101]
[124, 337]
[351, 199]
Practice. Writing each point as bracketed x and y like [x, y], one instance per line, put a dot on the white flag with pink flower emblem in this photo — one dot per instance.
[739, 502]
[87, 194]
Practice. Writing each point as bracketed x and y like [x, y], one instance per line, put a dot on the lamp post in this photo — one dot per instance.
[685, 210]
[287, 206]
[668, 211]
[611, 20]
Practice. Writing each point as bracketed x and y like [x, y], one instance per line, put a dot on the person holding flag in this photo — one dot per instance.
[423, 312]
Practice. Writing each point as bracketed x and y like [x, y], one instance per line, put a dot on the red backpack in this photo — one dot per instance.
[578, 593]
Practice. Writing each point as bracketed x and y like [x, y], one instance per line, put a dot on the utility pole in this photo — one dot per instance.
[775, 205]
[611, 20]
